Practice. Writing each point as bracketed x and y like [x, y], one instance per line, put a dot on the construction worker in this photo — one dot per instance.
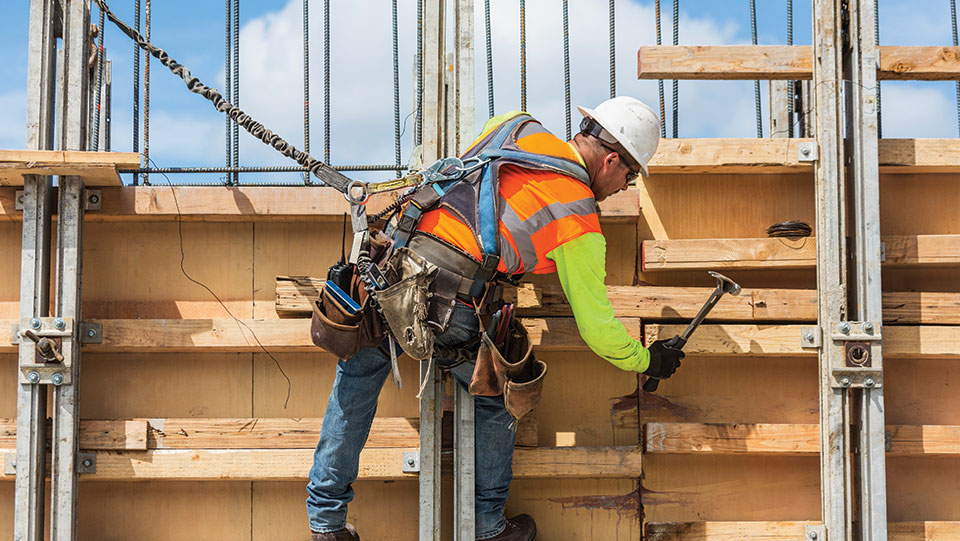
[548, 222]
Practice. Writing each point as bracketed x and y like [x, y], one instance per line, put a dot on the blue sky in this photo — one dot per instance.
[186, 130]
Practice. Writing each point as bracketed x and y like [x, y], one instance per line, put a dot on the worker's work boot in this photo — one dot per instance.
[346, 534]
[519, 528]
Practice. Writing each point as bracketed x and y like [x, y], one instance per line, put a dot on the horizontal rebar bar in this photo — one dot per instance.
[257, 169]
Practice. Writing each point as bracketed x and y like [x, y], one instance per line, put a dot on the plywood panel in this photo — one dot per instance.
[580, 508]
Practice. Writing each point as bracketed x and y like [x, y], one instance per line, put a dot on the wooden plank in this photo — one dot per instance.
[96, 168]
[125, 434]
[788, 439]
[275, 335]
[253, 204]
[784, 340]
[788, 531]
[720, 156]
[919, 155]
[379, 464]
[782, 253]
[778, 62]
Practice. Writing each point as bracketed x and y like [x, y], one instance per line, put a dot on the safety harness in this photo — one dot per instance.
[472, 192]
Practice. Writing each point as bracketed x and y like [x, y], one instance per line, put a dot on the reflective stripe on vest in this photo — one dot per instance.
[523, 231]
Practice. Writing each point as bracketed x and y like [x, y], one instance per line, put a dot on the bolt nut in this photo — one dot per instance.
[94, 198]
[845, 381]
[13, 463]
[87, 463]
[20, 199]
[59, 323]
[35, 324]
[844, 327]
[805, 151]
[808, 336]
[91, 333]
[411, 462]
[869, 382]
[813, 536]
[868, 327]
[57, 379]
[33, 377]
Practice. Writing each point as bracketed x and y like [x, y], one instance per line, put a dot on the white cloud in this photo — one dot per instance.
[919, 110]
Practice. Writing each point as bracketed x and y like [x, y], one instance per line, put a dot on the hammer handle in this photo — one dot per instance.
[651, 384]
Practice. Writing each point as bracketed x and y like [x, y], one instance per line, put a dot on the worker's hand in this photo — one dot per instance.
[664, 359]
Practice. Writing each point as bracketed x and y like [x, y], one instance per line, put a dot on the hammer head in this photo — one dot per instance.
[725, 284]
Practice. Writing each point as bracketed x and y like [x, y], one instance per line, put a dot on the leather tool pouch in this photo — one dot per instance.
[405, 303]
[518, 376]
[488, 374]
[342, 333]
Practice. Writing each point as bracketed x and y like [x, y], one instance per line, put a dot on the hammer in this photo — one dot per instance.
[724, 285]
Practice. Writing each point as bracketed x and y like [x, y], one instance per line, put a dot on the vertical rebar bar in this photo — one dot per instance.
[418, 133]
[236, 87]
[676, 86]
[486, 16]
[306, 81]
[791, 97]
[663, 112]
[99, 94]
[876, 42]
[953, 20]
[396, 90]
[613, 47]
[523, 55]
[326, 81]
[146, 95]
[756, 84]
[566, 69]
[227, 82]
[136, 87]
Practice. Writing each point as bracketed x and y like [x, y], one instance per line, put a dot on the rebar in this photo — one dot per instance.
[613, 48]
[523, 55]
[136, 87]
[326, 81]
[146, 95]
[396, 90]
[236, 86]
[419, 131]
[258, 169]
[676, 85]
[791, 97]
[876, 42]
[953, 20]
[663, 112]
[486, 16]
[227, 79]
[566, 69]
[756, 84]
[100, 63]
[306, 79]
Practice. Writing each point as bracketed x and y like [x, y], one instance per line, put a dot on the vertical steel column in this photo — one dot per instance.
[432, 140]
[831, 267]
[464, 469]
[74, 103]
[35, 272]
[864, 173]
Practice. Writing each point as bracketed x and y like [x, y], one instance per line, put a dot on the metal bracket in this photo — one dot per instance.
[91, 332]
[36, 371]
[93, 199]
[86, 462]
[857, 368]
[18, 199]
[411, 462]
[810, 338]
[808, 152]
[815, 533]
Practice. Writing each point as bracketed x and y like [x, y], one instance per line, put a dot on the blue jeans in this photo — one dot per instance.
[346, 424]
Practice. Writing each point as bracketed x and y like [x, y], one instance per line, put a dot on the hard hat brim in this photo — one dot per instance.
[590, 113]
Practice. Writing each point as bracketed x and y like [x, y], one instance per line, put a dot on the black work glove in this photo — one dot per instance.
[664, 359]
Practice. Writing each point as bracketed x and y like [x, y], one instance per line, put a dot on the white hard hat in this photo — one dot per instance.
[632, 123]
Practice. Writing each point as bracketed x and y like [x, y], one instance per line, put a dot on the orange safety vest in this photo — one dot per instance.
[543, 202]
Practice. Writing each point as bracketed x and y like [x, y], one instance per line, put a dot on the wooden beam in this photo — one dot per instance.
[787, 439]
[749, 156]
[118, 435]
[379, 464]
[245, 433]
[782, 253]
[787, 531]
[777, 62]
[275, 335]
[96, 168]
[254, 204]
[928, 341]
[919, 155]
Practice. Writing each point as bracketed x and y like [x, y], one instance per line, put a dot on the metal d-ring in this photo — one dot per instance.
[348, 194]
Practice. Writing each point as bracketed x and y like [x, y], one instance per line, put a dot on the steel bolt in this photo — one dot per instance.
[812, 536]
[94, 199]
[20, 200]
[87, 463]
[411, 462]
[59, 323]
[35, 324]
[91, 333]
[33, 377]
[868, 327]
[845, 382]
[808, 336]
[844, 327]
[806, 152]
[869, 382]
[57, 379]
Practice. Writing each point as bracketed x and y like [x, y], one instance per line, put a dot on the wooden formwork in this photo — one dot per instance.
[187, 413]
